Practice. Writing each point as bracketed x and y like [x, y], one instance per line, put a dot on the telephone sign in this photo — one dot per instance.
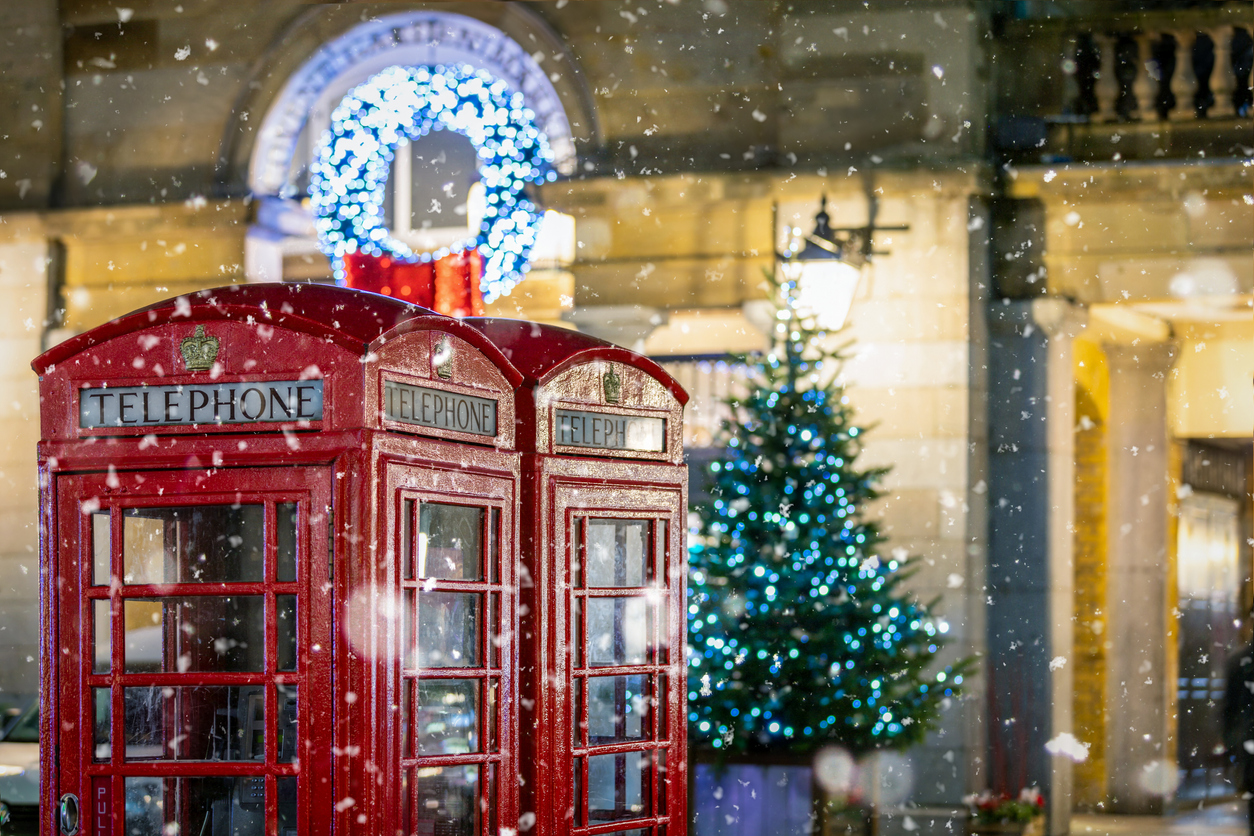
[610, 431]
[319, 562]
[197, 403]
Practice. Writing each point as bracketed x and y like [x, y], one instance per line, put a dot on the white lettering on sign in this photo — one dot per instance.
[610, 432]
[267, 402]
[437, 408]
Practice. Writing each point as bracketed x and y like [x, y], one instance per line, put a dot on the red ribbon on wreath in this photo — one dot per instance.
[449, 285]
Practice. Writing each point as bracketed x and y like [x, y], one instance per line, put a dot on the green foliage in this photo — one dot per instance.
[799, 633]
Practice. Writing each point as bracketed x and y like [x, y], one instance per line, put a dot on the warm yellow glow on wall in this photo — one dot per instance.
[1092, 395]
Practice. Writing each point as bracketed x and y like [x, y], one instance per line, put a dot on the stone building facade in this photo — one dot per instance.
[1064, 327]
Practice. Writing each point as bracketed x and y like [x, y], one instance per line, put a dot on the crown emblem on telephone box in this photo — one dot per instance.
[613, 385]
[199, 351]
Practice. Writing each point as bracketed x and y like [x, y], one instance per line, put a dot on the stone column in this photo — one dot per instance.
[1139, 684]
[24, 286]
[1030, 572]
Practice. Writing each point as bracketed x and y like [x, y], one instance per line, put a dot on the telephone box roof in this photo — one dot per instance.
[354, 319]
[541, 351]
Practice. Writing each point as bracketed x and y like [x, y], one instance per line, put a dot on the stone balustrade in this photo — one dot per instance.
[1165, 74]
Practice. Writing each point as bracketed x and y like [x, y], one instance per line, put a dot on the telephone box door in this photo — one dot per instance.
[458, 588]
[625, 598]
[193, 682]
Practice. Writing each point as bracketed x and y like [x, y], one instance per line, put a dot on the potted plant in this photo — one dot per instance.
[990, 813]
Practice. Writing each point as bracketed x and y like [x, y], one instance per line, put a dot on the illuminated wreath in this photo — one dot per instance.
[350, 169]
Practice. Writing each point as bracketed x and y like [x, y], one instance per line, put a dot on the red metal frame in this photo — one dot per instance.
[116, 492]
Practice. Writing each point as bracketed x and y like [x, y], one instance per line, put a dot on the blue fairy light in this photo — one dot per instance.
[350, 170]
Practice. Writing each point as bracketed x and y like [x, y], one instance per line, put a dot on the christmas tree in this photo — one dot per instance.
[800, 635]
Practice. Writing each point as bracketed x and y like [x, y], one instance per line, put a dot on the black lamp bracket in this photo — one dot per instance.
[841, 239]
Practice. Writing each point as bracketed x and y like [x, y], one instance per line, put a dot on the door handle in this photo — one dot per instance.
[69, 814]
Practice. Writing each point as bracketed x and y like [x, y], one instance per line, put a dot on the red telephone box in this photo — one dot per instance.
[603, 523]
[288, 533]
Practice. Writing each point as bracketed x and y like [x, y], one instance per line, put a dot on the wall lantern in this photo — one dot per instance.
[826, 265]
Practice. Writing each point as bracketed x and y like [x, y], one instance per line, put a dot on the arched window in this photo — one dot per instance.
[433, 197]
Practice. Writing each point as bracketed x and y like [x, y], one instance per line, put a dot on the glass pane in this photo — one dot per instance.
[494, 691]
[195, 722]
[100, 571]
[285, 558]
[660, 545]
[194, 544]
[660, 765]
[617, 709]
[229, 806]
[406, 803]
[494, 546]
[449, 542]
[448, 629]
[286, 791]
[492, 794]
[204, 633]
[285, 634]
[407, 703]
[661, 612]
[494, 631]
[448, 800]
[407, 539]
[616, 551]
[287, 733]
[618, 786]
[103, 736]
[407, 629]
[617, 631]
[104, 635]
[448, 716]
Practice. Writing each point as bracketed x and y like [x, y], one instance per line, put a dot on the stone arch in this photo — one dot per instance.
[325, 51]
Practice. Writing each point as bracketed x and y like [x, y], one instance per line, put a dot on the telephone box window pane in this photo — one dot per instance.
[662, 572]
[448, 716]
[104, 635]
[618, 709]
[285, 635]
[494, 692]
[407, 539]
[100, 549]
[161, 806]
[616, 552]
[449, 542]
[617, 631]
[662, 611]
[285, 564]
[448, 629]
[448, 800]
[406, 803]
[288, 724]
[494, 546]
[494, 631]
[618, 786]
[195, 722]
[202, 633]
[103, 736]
[193, 544]
[407, 629]
[285, 789]
[407, 702]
